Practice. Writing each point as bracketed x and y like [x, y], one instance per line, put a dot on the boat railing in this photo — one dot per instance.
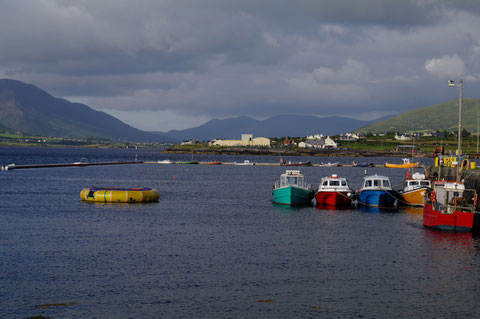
[284, 183]
[465, 202]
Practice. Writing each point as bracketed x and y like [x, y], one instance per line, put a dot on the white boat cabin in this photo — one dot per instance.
[376, 182]
[334, 183]
[291, 178]
[417, 181]
[453, 196]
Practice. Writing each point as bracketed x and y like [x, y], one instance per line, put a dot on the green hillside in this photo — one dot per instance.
[432, 118]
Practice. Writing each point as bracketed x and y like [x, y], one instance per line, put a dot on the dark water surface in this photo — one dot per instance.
[215, 246]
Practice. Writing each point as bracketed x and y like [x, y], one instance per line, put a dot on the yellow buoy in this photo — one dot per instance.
[473, 165]
[119, 195]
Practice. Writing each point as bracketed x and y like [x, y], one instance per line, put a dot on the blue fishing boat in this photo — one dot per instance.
[291, 189]
[377, 191]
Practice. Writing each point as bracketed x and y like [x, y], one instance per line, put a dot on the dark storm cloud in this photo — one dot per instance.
[218, 58]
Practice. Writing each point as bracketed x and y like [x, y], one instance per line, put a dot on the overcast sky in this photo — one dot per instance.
[173, 64]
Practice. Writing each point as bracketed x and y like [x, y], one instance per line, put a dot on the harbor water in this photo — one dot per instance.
[216, 246]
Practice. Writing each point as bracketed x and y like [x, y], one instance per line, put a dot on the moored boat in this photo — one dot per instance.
[211, 163]
[406, 164]
[188, 162]
[290, 163]
[414, 188]
[245, 163]
[291, 189]
[334, 191]
[377, 191]
[451, 207]
[329, 164]
[166, 161]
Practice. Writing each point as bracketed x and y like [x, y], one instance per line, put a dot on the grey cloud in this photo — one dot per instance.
[218, 58]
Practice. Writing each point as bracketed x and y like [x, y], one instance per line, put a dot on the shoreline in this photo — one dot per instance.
[295, 152]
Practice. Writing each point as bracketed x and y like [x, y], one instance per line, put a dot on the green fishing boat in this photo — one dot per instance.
[291, 189]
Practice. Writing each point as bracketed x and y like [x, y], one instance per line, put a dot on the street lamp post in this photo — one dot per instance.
[452, 83]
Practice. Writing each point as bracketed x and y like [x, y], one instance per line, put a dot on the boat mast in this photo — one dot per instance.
[459, 147]
[460, 120]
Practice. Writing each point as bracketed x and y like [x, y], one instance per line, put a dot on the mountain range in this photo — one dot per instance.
[277, 126]
[31, 110]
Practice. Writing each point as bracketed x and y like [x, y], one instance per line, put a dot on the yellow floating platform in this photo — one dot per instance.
[120, 195]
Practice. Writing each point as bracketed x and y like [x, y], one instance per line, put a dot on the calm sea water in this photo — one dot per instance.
[215, 246]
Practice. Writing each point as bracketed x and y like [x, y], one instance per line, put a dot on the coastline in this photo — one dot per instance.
[293, 152]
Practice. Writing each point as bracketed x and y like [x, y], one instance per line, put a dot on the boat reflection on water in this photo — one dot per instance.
[442, 239]
[289, 208]
[372, 209]
[413, 210]
[332, 208]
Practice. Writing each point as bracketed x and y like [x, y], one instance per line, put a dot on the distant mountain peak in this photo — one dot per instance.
[28, 109]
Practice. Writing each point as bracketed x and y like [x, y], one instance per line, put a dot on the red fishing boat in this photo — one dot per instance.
[334, 191]
[449, 206]
[211, 163]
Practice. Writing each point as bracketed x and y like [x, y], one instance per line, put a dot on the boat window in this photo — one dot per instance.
[386, 183]
[292, 180]
[425, 183]
[368, 183]
[413, 183]
[344, 183]
[325, 183]
[377, 182]
[334, 183]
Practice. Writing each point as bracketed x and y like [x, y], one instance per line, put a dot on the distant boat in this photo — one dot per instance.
[406, 164]
[165, 162]
[414, 188]
[291, 189]
[245, 163]
[211, 163]
[451, 207]
[190, 162]
[363, 164]
[329, 164]
[289, 163]
[82, 162]
[377, 191]
[334, 191]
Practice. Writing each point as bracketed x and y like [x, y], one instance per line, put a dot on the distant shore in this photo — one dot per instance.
[291, 152]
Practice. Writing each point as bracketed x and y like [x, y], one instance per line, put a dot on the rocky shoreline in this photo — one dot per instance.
[292, 152]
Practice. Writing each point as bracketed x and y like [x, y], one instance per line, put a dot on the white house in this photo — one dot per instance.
[349, 137]
[315, 137]
[403, 137]
[329, 143]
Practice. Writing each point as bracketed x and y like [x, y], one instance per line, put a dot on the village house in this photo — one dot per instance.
[349, 137]
[403, 137]
[247, 140]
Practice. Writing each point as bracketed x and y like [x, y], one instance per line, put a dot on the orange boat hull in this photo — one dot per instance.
[408, 165]
[414, 197]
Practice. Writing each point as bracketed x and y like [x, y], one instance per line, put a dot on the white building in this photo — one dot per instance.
[329, 143]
